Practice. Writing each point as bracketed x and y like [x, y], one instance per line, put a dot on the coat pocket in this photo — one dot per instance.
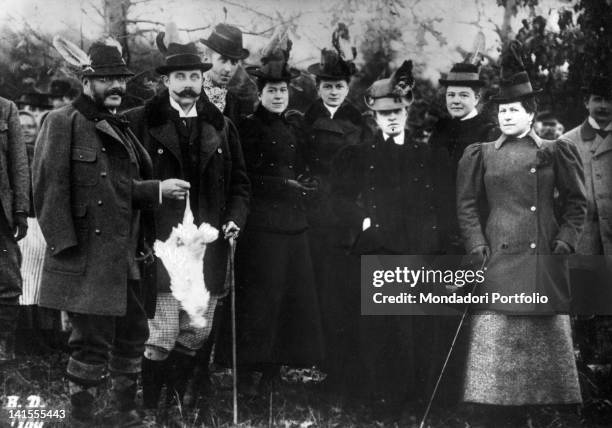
[85, 167]
[73, 260]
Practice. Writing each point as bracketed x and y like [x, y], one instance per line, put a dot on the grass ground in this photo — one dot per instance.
[291, 404]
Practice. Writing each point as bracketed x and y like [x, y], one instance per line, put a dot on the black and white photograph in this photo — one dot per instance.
[306, 213]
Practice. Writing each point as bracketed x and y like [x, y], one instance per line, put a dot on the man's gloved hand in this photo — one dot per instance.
[21, 226]
[230, 230]
[561, 248]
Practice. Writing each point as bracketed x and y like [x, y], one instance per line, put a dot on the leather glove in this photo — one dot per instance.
[21, 226]
[561, 248]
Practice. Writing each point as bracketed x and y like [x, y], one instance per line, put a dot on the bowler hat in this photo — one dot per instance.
[515, 88]
[180, 57]
[599, 85]
[332, 66]
[463, 74]
[392, 93]
[59, 88]
[226, 40]
[106, 60]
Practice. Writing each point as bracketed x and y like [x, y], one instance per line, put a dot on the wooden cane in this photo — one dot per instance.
[448, 355]
[232, 284]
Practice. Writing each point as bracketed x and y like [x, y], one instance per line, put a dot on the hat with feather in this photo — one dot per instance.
[104, 57]
[466, 73]
[514, 84]
[337, 63]
[394, 92]
[274, 59]
[178, 56]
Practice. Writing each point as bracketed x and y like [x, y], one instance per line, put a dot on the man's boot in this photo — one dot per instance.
[123, 396]
[10, 377]
[82, 400]
[154, 375]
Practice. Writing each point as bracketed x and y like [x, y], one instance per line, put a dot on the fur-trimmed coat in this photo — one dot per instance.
[224, 187]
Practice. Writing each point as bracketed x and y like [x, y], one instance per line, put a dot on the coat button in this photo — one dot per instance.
[160, 151]
[80, 156]
[533, 208]
[273, 142]
[99, 202]
[292, 146]
[52, 248]
[371, 166]
[374, 206]
[416, 146]
[415, 179]
[98, 231]
[597, 175]
[532, 170]
[377, 225]
[219, 150]
[373, 146]
[422, 165]
[504, 246]
[103, 149]
[532, 245]
[103, 174]
[290, 166]
[434, 227]
[271, 163]
[372, 188]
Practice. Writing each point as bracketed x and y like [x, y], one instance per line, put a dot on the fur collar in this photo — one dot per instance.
[346, 111]
[158, 110]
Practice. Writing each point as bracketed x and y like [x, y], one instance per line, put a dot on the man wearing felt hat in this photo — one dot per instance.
[37, 103]
[331, 123]
[388, 191]
[93, 191]
[187, 136]
[590, 275]
[225, 51]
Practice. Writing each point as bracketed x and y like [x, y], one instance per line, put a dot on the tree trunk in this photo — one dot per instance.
[506, 28]
[115, 22]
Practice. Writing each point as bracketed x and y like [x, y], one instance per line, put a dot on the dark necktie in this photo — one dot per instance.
[603, 133]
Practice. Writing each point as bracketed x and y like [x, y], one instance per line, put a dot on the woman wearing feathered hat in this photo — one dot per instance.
[279, 321]
[388, 191]
[520, 354]
[331, 123]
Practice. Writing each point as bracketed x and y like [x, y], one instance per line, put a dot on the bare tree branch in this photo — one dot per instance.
[159, 23]
[250, 9]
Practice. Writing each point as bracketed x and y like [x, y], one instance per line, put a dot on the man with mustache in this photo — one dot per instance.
[225, 52]
[187, 136]
[92, 192]
[589, 274]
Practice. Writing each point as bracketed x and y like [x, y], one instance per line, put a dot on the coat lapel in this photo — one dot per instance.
[604, 145]
[165, 134]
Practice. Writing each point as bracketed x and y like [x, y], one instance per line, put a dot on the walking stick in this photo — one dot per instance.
[448, 355]
[232, 284]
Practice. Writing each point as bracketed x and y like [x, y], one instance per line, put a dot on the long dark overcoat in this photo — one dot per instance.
[14, 195]
[519, 179]
[223, 182]
[86, 197]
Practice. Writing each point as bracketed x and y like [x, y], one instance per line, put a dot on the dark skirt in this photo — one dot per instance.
[278, 316]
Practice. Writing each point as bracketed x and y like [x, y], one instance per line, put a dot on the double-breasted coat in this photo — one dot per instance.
[279, 319]
[222, 183]
[518, 178]
[14, 196]
[592, 272]
[91, 178]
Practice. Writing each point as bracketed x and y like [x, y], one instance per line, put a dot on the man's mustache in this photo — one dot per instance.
[188, 92]
[114, 91]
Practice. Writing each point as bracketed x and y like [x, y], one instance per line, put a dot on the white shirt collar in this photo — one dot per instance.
[398, 139]
[470, 115]
[332, 110]
[193, 112]
[596, 126]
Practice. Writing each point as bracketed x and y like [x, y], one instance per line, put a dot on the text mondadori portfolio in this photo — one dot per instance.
[469, 298]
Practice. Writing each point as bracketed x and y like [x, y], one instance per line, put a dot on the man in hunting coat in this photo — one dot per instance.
[90, 183]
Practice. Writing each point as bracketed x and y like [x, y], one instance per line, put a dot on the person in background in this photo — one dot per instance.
[61, 93]
[546, 125]
[521, 355]
[591, 273]
[331, 123]
[14, 206]
[37, 103]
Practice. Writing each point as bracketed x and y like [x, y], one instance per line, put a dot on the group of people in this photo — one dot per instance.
[303, 195]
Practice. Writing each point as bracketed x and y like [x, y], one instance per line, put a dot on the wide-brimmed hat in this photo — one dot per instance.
[463, 74]
[106, 60]
[59, 88]
[179, 56]
[392, 93]
[34, 99]
[599, 85]
[337, 63]
[274, 61]
[226, 40]
[514, 84]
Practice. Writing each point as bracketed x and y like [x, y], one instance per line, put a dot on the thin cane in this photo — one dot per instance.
[448, 355]
[232, 250]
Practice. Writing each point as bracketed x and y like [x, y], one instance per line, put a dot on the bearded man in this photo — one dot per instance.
[91, 190]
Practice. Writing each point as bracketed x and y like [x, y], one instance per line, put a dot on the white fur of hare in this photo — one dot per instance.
[183, 258]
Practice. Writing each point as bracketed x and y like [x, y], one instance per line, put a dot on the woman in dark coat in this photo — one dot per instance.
[521, 354]
[279, 321]
[330, 124]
